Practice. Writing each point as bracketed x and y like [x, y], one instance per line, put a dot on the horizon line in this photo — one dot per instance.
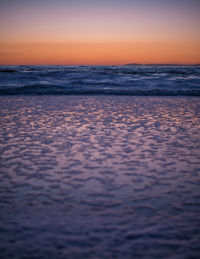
[128, 64]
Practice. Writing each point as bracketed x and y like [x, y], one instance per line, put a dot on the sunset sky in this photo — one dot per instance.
[90, 32]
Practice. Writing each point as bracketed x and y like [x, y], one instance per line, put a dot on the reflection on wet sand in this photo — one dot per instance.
[100, 177]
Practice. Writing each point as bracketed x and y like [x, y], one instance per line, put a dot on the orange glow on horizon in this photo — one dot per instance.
[98, 53]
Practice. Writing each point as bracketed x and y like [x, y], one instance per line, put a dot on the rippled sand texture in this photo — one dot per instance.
[100, 177]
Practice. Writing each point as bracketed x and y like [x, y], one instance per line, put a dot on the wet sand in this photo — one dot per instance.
[99, 177]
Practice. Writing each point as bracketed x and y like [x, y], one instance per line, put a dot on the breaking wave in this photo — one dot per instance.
[100, 80]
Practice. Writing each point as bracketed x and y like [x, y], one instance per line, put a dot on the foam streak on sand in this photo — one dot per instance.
[99, 177]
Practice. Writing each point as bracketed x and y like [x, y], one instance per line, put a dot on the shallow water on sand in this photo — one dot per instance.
[99, 177]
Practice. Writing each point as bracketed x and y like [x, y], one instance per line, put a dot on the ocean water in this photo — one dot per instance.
[99, 177]
[99, 162]
[115, 80]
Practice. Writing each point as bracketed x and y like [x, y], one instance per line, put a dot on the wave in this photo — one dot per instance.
[55, 90]
[100, 80]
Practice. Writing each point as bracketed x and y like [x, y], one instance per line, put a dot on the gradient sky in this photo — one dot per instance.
[99, 32]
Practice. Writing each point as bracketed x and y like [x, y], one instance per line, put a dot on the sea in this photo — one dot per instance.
[99, 162]
[161, 80]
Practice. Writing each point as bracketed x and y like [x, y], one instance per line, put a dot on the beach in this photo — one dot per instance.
[99, 176]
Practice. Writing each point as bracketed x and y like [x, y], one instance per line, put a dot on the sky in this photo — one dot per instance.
[99, 32]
